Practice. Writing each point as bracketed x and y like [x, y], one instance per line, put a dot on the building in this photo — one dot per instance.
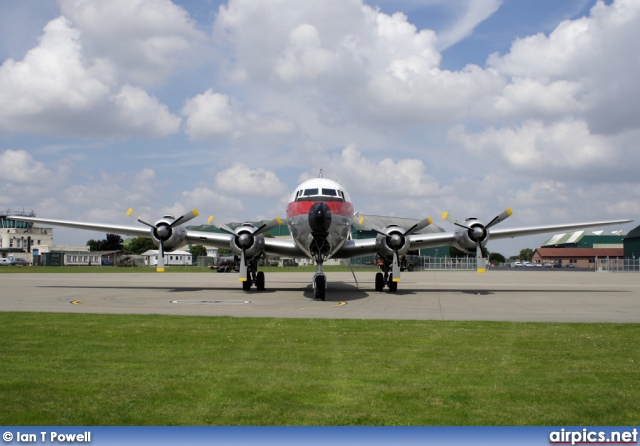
[173, 258]
[632, 244]
[22, 239]
[587, 239]
[579, 257]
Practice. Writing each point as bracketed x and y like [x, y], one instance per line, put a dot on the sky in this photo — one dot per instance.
[415, 106]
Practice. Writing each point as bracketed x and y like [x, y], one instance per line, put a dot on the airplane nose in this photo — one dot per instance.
[320, 217]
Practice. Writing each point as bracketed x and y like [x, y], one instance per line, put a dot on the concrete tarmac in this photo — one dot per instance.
[514, 295]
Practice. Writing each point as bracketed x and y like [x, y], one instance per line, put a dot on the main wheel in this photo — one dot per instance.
[319, 287]
[379, 282]
[393, 286]
[260, 281]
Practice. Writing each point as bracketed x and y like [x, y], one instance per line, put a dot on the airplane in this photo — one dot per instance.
[320, 215]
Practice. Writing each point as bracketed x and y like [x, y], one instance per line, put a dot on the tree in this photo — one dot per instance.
[198, 251]
[526, 254]
[138, 245]
[113, 242]
[93, 245]
[496, 258]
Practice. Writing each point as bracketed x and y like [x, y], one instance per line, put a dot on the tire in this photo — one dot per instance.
[410, 267]
[319, 287]
[246, 285]
[260, 281]
[393, 286]
[379, 282]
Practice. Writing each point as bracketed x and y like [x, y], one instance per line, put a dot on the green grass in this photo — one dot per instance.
[83, 369]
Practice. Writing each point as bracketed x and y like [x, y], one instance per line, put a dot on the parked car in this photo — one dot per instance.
[547, 265]
[517, 264]
[19, 262]
[571, 265]
[558, 265]
[289, 262]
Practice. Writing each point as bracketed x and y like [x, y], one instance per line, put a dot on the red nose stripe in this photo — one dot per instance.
[296, 208]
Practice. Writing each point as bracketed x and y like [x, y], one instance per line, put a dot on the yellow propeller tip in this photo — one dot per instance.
[430, 220]
[195, 212]
[509, 211]
[130, 211]
[361, 220]
[279, 220]
[444, 215]
[210, 219]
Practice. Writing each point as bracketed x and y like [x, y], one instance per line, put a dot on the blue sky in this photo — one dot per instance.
[416, 106]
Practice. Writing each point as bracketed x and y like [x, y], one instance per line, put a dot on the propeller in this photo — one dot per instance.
[477, 233]
[162, 230]
[244, 240]
[395, 241]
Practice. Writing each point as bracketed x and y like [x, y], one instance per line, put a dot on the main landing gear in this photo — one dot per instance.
[385, 278]
[254, 277]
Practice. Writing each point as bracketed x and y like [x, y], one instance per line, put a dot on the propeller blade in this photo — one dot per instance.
[446, 216]
[184, 218]
[133, 214]
[506, 214]
[418, 226]
[221, 226]
[243, 268]
[268, 226]
[396, 268]
[160, 264]
[481, 263]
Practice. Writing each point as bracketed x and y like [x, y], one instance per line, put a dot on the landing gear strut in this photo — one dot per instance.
[385, 278]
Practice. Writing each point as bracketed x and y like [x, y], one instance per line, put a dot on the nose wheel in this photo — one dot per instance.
[319, 286]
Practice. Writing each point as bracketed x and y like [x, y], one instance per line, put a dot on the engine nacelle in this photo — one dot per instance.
[253, 244]
[467, 239]
[390, 241]
[172, 238]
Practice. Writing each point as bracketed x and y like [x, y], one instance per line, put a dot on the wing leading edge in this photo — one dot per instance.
[218, 240]
[363, 247]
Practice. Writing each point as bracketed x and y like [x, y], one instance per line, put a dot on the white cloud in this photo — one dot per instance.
[213, 116]
[18, 166]
[595, 60]
[55, 89]
[148, 40]
[474, 12]
[534, 147]
[242, 180]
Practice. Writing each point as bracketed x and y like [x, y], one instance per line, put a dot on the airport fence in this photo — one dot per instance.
[616, 265]
[449, 263]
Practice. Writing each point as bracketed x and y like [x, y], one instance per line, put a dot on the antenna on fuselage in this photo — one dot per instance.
[320, 175]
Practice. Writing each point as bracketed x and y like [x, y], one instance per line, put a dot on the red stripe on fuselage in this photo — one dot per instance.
[296, 208]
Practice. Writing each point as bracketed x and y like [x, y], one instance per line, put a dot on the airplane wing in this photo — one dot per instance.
[220, 240]
[363, 247]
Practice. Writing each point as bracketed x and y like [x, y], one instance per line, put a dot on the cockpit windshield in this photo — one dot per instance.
[315, 194]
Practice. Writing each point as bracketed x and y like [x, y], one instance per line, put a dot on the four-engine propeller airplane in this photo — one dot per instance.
[319, 216]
